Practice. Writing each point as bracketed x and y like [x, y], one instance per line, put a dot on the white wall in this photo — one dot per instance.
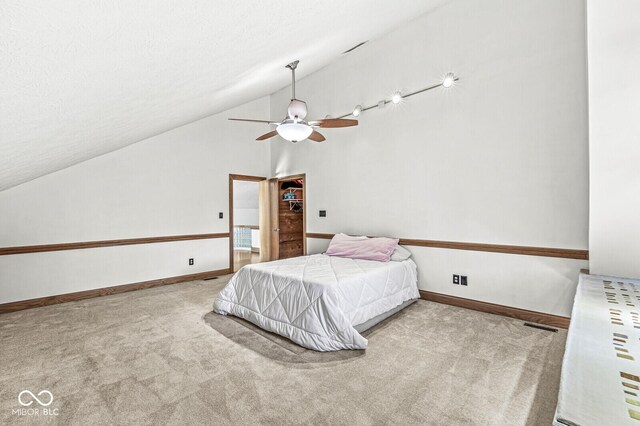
[255, 238]
[247, 217]
[246, 200]
[171, 184]
[614, 137]
[500, 158]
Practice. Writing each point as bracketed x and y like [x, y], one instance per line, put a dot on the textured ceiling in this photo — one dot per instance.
[82, 78]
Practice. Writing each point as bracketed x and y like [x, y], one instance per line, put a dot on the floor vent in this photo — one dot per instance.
[541, 327]
[353, 48]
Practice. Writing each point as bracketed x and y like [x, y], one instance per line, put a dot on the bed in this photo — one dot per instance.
[320, 302]
[600, 381]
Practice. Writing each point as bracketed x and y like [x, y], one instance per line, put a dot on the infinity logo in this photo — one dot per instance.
[28, 392]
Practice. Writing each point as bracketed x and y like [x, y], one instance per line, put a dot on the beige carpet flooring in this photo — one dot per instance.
[158, 356]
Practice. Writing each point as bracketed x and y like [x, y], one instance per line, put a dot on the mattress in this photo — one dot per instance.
[317, 300]
[600, 381]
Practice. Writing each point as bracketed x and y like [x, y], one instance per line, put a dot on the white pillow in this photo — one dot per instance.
[400, 254]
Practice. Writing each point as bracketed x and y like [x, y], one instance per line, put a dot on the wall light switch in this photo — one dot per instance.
[220, 215]
[322, 213]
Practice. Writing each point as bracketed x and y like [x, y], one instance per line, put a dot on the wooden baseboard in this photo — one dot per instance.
[492, 308]
[87, 294]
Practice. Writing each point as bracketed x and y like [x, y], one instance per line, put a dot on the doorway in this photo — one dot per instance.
[267, 219]
[244, 220]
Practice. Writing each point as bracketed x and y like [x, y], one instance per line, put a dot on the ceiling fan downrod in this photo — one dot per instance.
[292, 66]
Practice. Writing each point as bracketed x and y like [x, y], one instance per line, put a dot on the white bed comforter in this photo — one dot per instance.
[316, 300]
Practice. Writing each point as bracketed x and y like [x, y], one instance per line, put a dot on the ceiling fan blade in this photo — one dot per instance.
[252, 121]
[267, 135]
[316, 137]
[334, 122]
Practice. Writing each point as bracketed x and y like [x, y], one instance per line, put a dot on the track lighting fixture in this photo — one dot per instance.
[448, 81]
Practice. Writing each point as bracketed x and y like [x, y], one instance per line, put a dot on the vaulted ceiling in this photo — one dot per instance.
[79, 79]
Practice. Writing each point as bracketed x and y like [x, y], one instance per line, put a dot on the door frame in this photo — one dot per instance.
[303, 177]
[233, 177]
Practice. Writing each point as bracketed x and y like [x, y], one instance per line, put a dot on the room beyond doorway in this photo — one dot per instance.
[244, 214]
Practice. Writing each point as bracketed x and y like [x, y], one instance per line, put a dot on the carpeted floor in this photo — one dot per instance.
[158, 356]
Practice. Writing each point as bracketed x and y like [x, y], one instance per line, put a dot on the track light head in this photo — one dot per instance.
[448, 80]
[396, 98]
[357, 110]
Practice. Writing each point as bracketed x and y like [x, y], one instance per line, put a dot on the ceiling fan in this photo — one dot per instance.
[293, 128]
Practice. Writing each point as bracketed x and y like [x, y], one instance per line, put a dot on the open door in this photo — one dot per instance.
[282, 218]
[269, 221]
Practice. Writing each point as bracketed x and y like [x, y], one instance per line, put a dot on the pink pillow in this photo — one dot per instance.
[380, 248]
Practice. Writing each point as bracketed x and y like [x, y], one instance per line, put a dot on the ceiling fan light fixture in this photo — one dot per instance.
[297, 108]
[448, 80]
[294, 132]
[357, 110]
[294, 128]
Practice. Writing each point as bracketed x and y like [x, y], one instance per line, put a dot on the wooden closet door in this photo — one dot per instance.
[291, 224]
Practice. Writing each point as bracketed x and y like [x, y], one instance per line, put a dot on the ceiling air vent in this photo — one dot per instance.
[353, 48]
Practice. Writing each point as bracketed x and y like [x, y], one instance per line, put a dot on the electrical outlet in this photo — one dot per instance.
[322, 213]
[456, 279]
[220, 215]
[191, 261]
[463, 280]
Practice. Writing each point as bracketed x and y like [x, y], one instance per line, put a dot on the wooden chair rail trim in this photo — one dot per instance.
[107, 243]
[87, 294]
[492, 248]
[492, 308]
